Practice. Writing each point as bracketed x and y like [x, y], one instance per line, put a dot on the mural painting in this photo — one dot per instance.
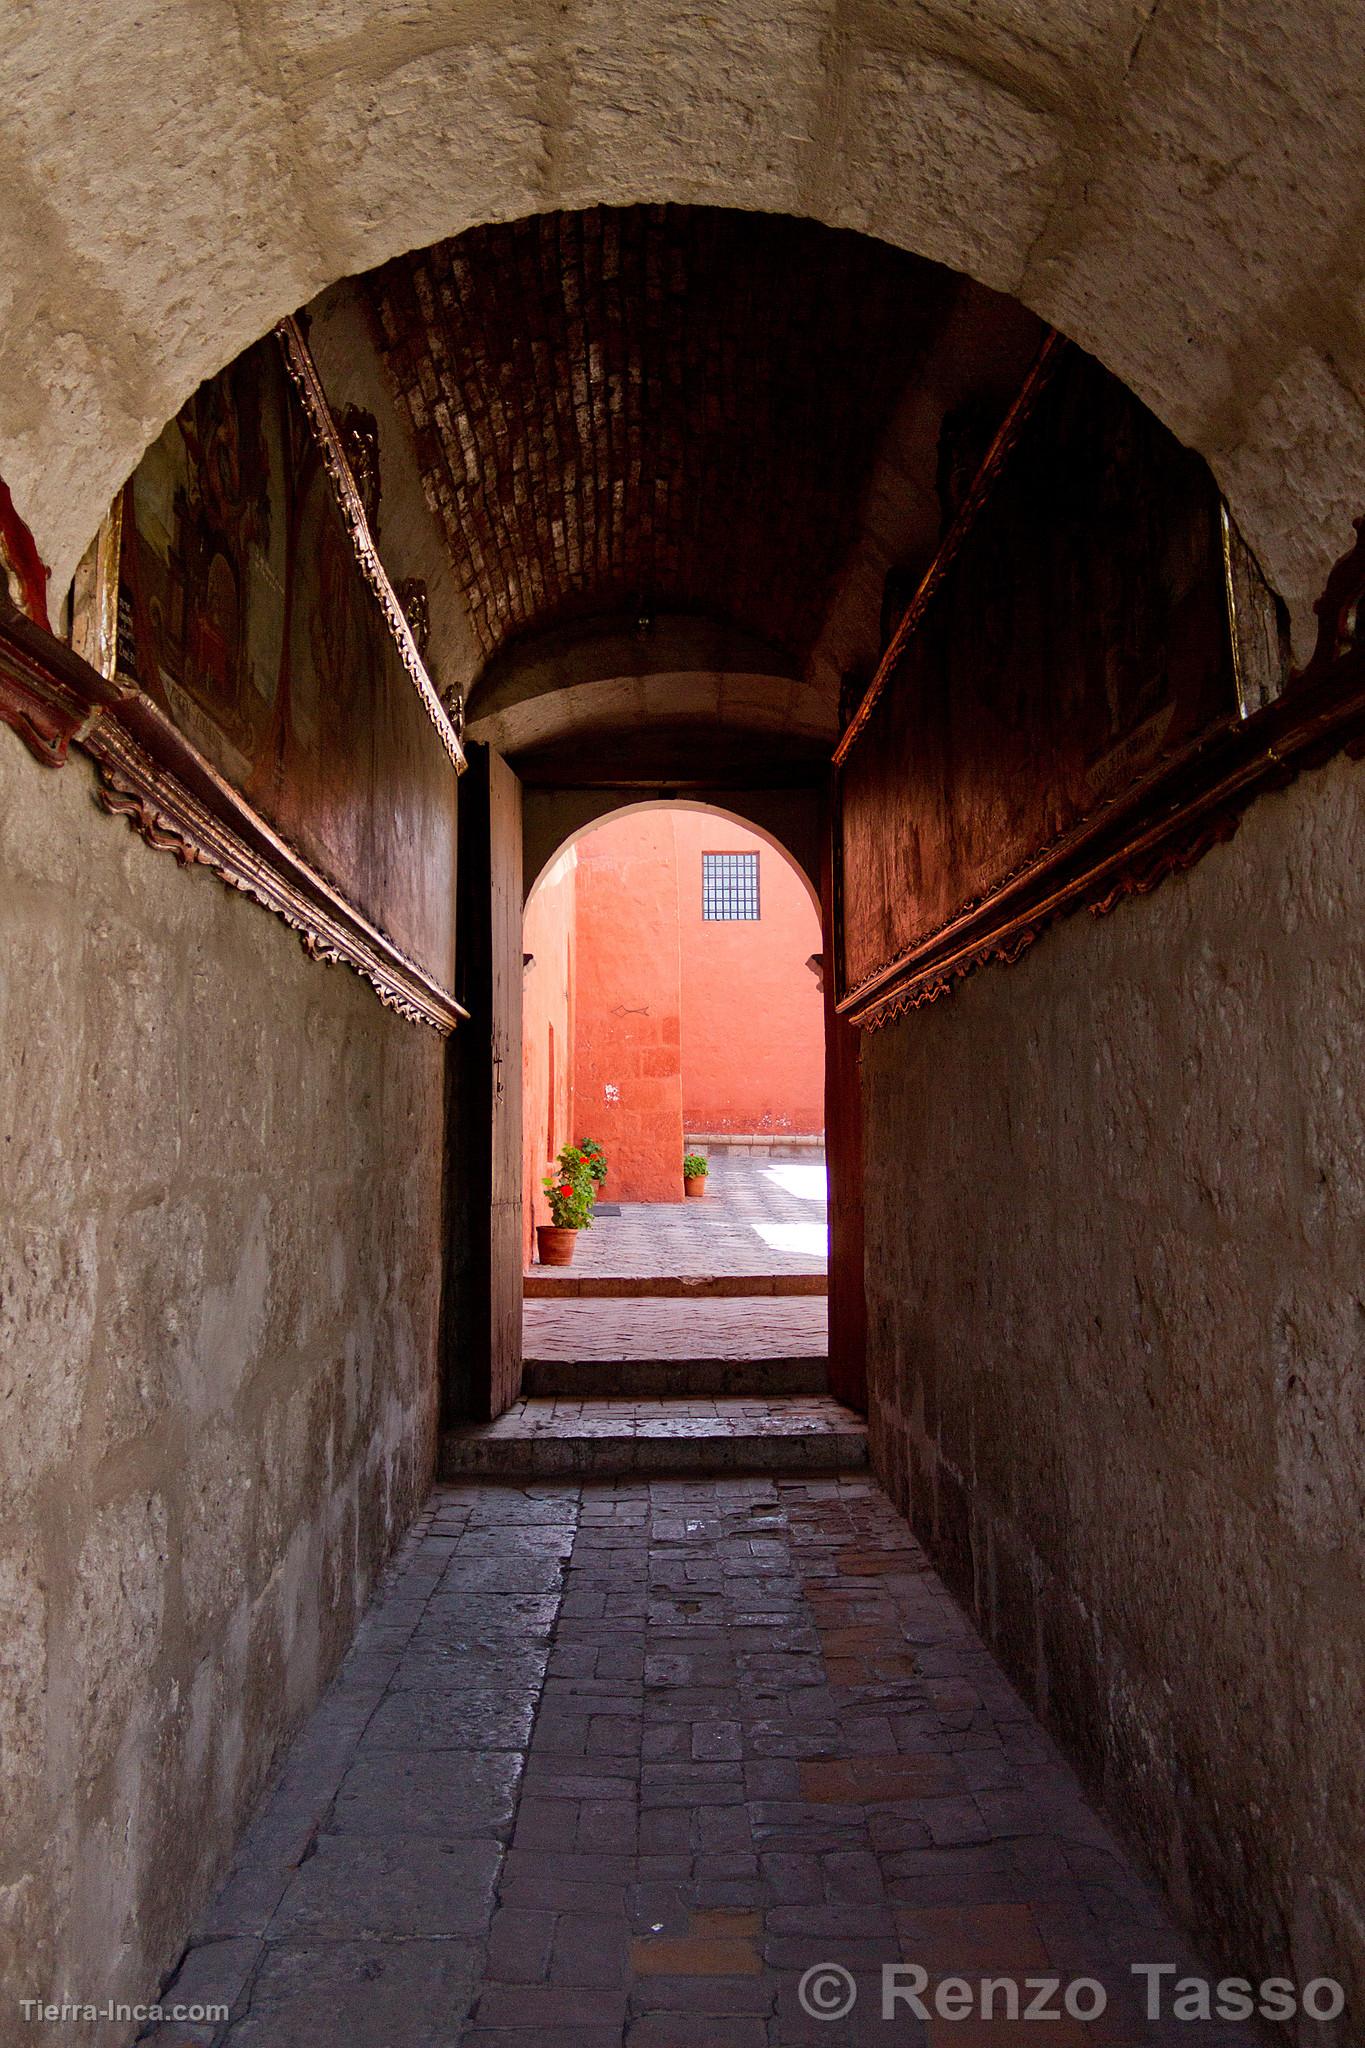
[244, 614]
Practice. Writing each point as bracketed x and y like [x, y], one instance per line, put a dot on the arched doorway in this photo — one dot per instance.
[1073, 162]
[677, 952]
[690, 703]
[673, 1027]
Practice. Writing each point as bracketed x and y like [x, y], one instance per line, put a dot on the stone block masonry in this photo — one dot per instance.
[1113, 1268]
[221, 1189]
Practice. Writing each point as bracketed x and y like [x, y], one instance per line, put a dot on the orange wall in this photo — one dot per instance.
[547, 1008]
[628, 1034]
[665, 1023]
[752, 1016]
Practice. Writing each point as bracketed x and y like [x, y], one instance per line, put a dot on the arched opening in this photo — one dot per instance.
[675, 951]
[1073, 162]
[678, 951]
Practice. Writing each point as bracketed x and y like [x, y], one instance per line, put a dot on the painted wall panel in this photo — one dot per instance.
[243, 614]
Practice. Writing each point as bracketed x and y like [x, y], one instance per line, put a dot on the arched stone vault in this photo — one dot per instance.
[1174, 185]
[674, 454]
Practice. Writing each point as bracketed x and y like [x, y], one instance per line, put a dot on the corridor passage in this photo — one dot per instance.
[620, 1763]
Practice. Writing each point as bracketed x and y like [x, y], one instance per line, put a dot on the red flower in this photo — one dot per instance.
[567, 1188]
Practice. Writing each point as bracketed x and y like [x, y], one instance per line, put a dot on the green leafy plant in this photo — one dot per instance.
[596, 1158]
[694, 1166]
[570, 1190]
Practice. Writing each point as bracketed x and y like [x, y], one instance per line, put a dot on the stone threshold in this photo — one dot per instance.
[542, 1283]
[539, 1438]
[653, 1378]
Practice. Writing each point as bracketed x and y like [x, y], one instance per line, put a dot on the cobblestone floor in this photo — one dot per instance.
[620, 1764]
[762, 1326]
[759, 1216]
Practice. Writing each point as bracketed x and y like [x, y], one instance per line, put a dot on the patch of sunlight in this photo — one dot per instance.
[807, 1240]
[807, 1183]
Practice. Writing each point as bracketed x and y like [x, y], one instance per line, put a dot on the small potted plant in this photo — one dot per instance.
[695, 1170]
[569, 1190]
[597, 1160]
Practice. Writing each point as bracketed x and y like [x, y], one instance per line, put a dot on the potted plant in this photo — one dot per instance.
[569, 1190]
[695, 1170]
[596, 1158]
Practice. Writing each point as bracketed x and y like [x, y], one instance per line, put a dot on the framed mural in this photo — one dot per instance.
[1091, 618]
[237, 590]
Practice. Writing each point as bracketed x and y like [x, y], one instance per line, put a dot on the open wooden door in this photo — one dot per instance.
[844, 1164]
[481, 1316]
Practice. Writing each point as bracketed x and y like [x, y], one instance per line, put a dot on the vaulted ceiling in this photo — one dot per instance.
[659, 408]
[649, 434]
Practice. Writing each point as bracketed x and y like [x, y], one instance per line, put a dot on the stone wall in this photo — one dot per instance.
[1114, 1235]
[218, 1300]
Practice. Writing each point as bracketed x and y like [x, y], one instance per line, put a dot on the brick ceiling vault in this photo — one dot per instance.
[672, 408]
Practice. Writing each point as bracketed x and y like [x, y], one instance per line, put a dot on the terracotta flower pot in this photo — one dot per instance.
[695, 1186]
[555, 1244]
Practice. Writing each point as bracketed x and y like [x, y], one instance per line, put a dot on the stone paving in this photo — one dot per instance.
[759, 1217]
[641, 1286]
[615, 1766]
[751, 1327]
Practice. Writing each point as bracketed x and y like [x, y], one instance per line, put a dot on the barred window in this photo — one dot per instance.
[729, 886]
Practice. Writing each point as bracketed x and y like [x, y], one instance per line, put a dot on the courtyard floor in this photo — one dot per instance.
[688, 1335]
[759, 1216]
[621, 1763]
[738, 1275]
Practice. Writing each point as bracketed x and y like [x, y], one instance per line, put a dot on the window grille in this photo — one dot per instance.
[729, 886]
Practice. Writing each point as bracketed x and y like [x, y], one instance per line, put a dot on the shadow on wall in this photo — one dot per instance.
[668, 966]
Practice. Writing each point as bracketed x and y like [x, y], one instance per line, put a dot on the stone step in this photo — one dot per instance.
[540, 1283]
[650, 1378]
[608, 1439]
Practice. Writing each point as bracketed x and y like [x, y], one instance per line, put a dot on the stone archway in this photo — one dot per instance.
[1146, 180]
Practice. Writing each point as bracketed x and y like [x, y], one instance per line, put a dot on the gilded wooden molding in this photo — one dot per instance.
[303, 372]
[150, 774]
[94, 594]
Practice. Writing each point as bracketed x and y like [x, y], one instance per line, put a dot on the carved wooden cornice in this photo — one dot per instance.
[151, 775]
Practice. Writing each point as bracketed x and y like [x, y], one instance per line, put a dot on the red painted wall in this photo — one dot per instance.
[628, 1033]
[752, 1018]
[676, 1024]
[547, 1032]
